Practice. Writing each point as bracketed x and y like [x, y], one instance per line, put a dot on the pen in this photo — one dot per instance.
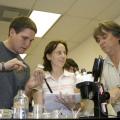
[48, 86]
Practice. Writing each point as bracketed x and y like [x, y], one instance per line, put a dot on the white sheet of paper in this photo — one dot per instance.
[51, 103]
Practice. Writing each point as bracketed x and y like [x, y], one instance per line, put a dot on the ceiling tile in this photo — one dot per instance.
[88, 8]
[66, 27]
[57, 6]
[18, 3]
[111, 12]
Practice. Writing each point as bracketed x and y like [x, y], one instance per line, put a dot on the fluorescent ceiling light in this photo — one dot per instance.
[43, 21]
[23, 55]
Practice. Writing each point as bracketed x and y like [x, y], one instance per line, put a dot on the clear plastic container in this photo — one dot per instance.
[21, 105]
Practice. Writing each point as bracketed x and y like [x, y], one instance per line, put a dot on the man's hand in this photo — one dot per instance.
[114, 95]
[14, 64]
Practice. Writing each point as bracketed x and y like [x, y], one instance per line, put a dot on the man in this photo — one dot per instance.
[14, 72]
[107, 35]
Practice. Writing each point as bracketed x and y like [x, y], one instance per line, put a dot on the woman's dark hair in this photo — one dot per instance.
[48, 50]
[108, 26]
[21, 23]
[70, 63]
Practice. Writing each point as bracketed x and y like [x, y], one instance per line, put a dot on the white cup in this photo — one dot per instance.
[46, 115]
[56, 114]
[37, 111]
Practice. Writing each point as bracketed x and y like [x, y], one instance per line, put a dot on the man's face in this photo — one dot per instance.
[108, 42]
[21, 41]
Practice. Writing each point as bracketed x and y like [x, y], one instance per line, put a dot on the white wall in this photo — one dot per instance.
[86, 52]
[35, 56]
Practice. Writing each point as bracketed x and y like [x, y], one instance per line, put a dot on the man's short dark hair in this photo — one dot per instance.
[21, 23]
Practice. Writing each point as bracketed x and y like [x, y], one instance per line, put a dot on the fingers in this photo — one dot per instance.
[39, 74]
[18, 67]
[14, 64]
[114, 95]
[19, 63]
[37, 77]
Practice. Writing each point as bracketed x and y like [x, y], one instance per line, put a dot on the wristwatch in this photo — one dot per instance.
[3, 66]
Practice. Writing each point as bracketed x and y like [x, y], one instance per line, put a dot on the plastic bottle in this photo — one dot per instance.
[20, 105]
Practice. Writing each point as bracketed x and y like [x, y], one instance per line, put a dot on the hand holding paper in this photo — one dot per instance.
[68, 100]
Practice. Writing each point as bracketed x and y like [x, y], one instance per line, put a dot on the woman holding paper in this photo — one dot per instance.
[59, 85]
